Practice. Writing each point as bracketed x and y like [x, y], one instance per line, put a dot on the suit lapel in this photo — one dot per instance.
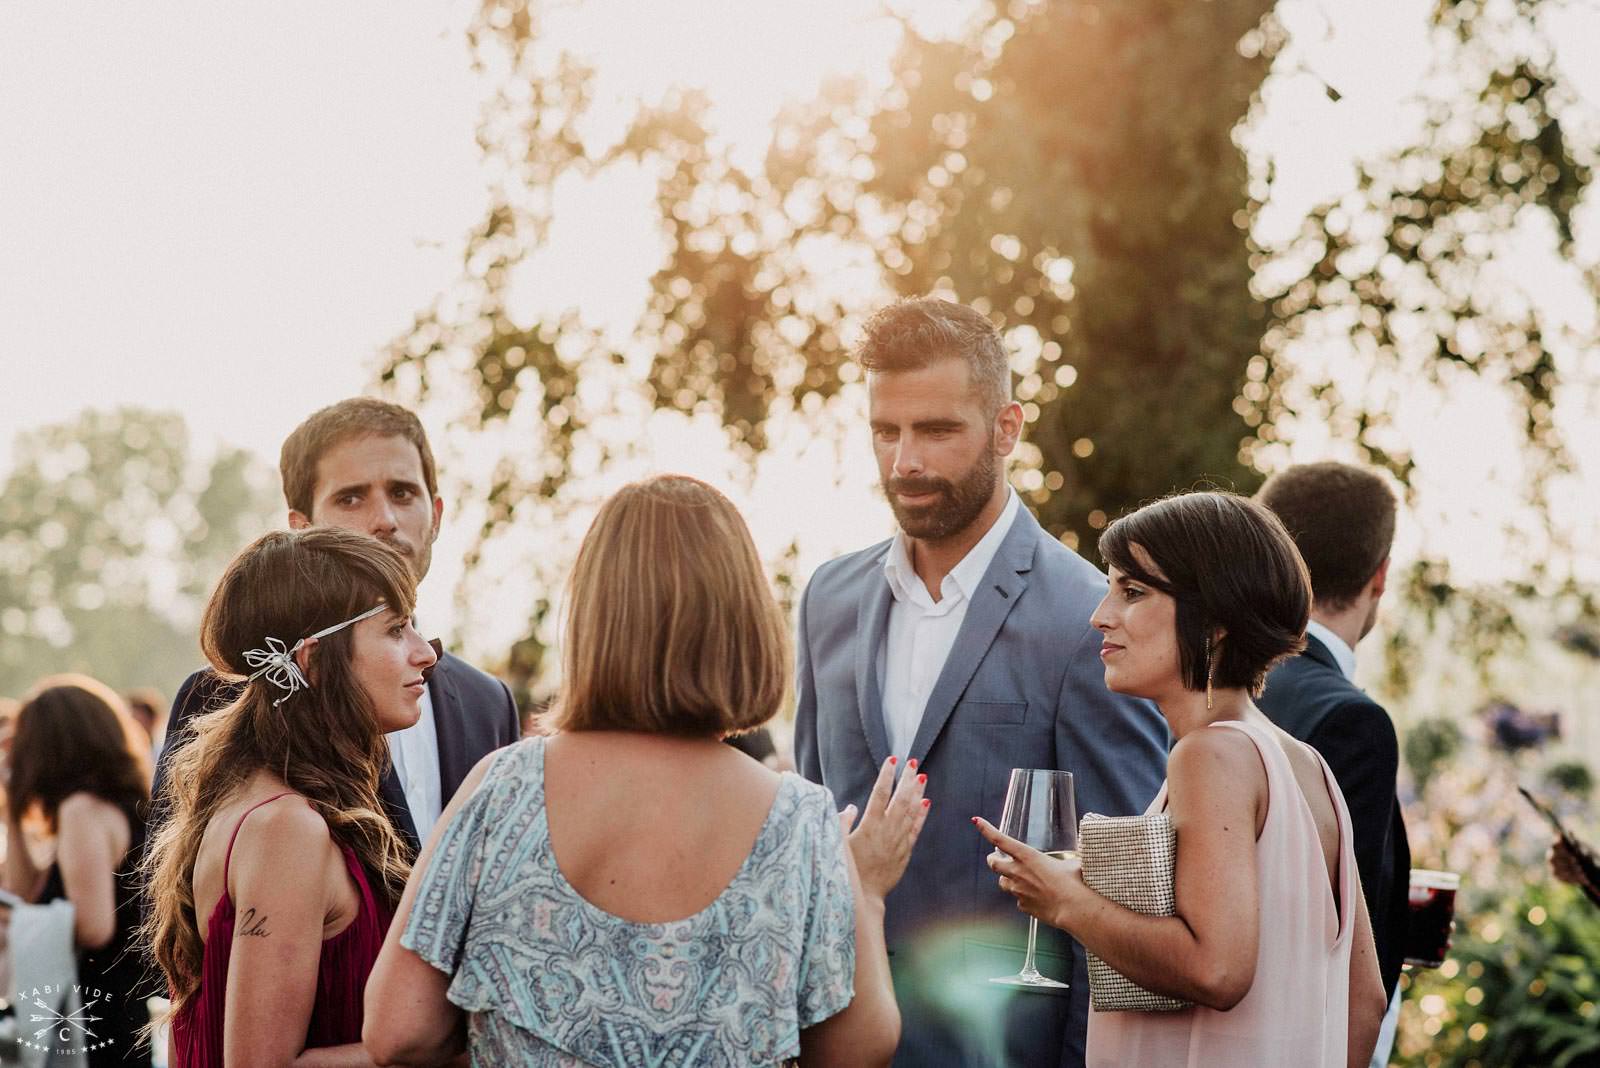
[450, 727]
[872, 622]
[993, 601]
[393, 796]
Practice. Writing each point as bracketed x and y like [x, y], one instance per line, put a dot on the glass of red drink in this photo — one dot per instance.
[1433, 909]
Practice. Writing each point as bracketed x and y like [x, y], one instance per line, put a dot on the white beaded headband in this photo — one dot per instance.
[276, 661]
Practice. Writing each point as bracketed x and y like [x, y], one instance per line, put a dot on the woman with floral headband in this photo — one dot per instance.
[275, 875]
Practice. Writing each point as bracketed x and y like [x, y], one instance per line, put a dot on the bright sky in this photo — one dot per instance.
[227, 209]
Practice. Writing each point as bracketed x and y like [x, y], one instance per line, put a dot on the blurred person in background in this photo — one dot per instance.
[760, 745]
[78, 776]
[9, 707]
[1575, 862]
[629, 890]
[149, 711]
[273, 878]
[8, 726]
[365, 465]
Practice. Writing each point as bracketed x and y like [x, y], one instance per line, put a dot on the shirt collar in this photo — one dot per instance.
[968, 573]
[1343, 655]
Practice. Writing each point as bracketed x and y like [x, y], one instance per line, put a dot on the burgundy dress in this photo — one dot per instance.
[342, 972]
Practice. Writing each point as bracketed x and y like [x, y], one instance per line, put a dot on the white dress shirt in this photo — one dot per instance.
[1343, 655]
[415, 752]
[922, 630]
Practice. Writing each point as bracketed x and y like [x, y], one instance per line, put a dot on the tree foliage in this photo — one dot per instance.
[1418, 278]
[1066, 168]
[111, 535]
[1072, 170]
[1413, 271]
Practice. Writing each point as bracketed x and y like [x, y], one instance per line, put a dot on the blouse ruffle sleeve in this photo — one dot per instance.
[828, 969]
[442, 911]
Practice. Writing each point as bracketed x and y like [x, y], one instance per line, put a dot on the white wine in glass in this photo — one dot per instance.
[1040, 812]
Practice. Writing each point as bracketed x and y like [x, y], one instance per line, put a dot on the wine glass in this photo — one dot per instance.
[1040, 812]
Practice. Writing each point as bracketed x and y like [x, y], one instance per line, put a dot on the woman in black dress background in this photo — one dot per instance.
[79, 770]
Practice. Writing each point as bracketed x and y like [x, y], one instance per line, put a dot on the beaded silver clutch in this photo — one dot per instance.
[1128, 859]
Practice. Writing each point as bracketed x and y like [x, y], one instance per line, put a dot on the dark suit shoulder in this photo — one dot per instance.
[468, 677]
[203, 691]
[1302, 693]
[1360, 715]
[474, 700]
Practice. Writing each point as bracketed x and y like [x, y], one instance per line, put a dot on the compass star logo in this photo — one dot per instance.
[64, 1025]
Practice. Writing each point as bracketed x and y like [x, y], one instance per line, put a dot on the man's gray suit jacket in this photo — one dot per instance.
[1023, 687]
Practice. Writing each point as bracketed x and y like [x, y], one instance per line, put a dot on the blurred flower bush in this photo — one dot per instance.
[1522, 983]
[1520, 987]
[1580, 638]
[1512, 728]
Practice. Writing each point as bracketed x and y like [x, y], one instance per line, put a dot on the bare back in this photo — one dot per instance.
[1314, 788]
[652, 828]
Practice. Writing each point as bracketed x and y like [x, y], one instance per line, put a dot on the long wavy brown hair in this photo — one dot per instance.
[324, 742]
[75, 735]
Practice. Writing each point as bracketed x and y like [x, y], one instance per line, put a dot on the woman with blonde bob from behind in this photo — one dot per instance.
[629, 890]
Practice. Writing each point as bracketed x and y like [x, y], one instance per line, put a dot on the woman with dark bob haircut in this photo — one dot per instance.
[629, 890]
[1271, 940]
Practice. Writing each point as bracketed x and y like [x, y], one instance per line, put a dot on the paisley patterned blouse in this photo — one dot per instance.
[549, 979]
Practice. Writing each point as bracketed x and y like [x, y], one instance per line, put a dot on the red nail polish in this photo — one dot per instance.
[974, 821]
[894, 760]
[926, 801]
[921, 779]
[911, 763]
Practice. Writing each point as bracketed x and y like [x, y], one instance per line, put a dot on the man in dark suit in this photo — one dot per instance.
[1342, 519]
[365, 465]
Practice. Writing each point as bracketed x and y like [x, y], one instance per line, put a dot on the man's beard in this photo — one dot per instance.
[417, 557]
[957, 505]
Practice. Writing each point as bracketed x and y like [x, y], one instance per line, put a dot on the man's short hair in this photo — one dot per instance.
[911, 334]
[357, 417]
[1342, 520]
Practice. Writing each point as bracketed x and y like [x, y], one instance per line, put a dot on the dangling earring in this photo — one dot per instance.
[1211, 669]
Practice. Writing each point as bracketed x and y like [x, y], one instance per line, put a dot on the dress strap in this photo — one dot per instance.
[226, 860]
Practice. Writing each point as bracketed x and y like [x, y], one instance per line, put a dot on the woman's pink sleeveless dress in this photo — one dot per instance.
[1297, 1011]
[342, 972]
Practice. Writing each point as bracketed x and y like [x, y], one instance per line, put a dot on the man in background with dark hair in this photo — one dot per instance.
[364, 465]
[1342, 520]
[962, 647]
[149, 710]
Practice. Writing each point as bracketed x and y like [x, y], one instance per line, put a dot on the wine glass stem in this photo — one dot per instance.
[1029, 969]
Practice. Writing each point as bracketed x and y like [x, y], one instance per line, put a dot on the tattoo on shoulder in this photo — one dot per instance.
[252, 926]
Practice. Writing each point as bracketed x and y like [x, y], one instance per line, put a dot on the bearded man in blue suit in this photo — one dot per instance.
[963, 644]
